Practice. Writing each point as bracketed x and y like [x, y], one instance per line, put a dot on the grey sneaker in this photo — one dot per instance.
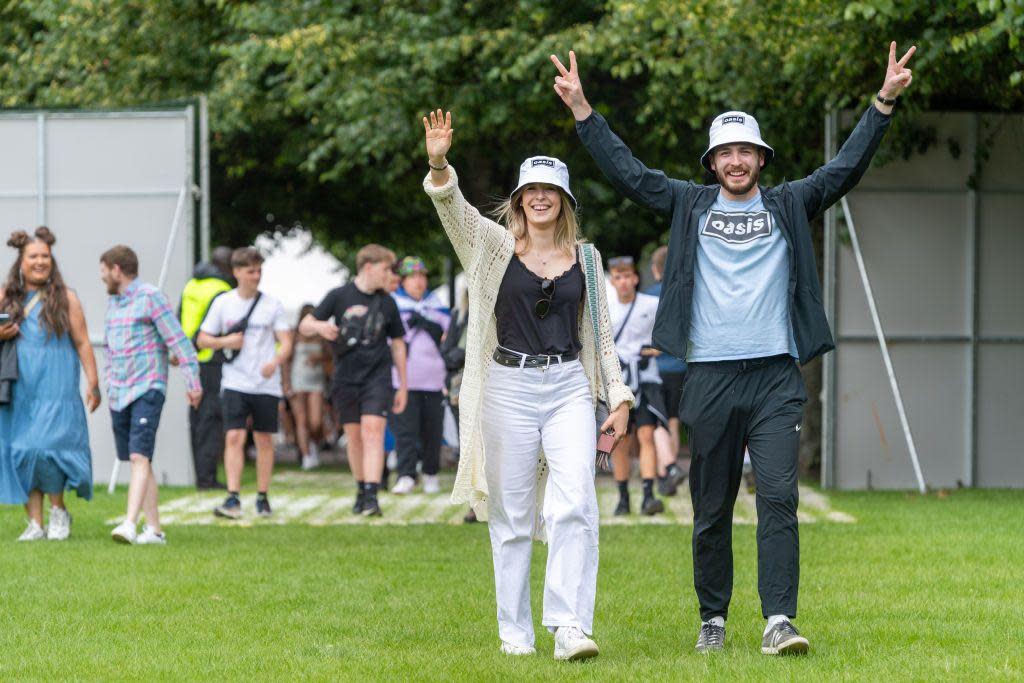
[783, 639]
[711, 638]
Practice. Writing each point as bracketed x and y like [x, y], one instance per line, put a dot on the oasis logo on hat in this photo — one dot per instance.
[738, 227]
[734, 127]
[546, 171]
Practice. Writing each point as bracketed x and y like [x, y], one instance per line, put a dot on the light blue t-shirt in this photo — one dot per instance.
[741, 285]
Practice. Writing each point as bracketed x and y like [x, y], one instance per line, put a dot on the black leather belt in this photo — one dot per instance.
[511, 359]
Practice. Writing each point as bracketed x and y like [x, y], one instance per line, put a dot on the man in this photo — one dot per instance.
[252, 324]
[359, 317]
[140, 333]
[418, 429]
[632, 317]
[206, 423]
[671, 369]
[741, 304]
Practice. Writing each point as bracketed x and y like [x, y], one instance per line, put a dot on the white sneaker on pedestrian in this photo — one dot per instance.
[150, 537]
[59, 527]
[516, 650]
[311, 461]
[572, 644]
[403, 486]
[33, 532]
[125, 532]
[431, 483]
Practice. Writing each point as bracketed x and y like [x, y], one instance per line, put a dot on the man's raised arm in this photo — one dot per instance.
[644, 186]
[829, 183]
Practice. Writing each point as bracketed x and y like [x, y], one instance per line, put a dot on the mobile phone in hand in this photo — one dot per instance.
[5, 318]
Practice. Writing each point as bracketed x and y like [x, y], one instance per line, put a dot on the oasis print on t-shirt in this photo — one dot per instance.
[738, 227]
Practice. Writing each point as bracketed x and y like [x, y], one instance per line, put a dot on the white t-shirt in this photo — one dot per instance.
[258, 349]
[637, 332]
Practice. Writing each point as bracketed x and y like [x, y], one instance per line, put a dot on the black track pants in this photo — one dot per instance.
[727, 405]
[206, 427]
[418, 432]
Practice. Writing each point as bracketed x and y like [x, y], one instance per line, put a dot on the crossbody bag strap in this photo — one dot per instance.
[36, 300]
[625, 321]
[590, 276]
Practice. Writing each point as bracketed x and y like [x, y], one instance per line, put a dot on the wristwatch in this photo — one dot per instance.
[885, 101]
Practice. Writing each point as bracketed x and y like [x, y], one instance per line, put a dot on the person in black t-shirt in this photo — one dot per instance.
[359, 318]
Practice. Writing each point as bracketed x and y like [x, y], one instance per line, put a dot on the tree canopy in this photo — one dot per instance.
[315, 104]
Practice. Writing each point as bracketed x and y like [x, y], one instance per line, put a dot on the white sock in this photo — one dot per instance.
[717, 621]
[774, 619]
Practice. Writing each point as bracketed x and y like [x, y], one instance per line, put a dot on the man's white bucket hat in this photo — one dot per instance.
[548, 170]
[732, 127]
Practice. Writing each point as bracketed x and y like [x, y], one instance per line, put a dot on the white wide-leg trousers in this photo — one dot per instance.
[525, 410]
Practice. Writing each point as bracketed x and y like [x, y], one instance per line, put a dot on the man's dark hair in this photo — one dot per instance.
[123, 257]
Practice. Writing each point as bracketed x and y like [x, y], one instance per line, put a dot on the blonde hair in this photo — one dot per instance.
[510, 213]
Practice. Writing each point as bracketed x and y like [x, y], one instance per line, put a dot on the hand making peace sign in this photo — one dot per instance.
[569, 88]
[896, 76]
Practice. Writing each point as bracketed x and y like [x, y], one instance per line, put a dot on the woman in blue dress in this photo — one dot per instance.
[44, 439]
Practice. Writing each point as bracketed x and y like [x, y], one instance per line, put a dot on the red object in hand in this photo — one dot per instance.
[605, 443]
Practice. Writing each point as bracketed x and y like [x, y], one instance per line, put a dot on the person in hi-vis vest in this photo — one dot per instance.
[206, 424]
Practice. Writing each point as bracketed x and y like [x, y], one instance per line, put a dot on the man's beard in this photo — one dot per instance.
[752, 178]
[111, 288]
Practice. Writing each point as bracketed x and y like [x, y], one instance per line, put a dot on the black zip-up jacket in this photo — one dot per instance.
[794, 204]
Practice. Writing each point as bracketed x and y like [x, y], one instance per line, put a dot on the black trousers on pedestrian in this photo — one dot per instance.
[418, 432]
[726, 406]
[206, 427]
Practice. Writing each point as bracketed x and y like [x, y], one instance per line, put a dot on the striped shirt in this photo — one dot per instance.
[140, 331]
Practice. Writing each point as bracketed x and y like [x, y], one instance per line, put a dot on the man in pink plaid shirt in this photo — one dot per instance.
[142, 337]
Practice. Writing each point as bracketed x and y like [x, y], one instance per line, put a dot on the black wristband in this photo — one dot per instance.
[885, 101]
[436, 168]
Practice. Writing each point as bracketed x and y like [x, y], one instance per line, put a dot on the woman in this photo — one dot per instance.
[532, 378]
[307, 381]
[44, 439]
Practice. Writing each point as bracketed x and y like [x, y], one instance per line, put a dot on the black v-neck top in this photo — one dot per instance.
[519, 328]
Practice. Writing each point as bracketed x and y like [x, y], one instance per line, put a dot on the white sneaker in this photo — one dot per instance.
[33, 532]
[150, 537]
[571, 644]
[431, 483]
[59, 527]
[516, 650]
[311, 461]
[403, 486]
[125, 532]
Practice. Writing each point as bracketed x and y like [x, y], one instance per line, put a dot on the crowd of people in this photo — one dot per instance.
[547, 373]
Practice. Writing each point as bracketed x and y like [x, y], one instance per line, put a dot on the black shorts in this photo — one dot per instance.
[239, 406]
[135, 426]
[650, 411]
[352, 401]
[672, 390]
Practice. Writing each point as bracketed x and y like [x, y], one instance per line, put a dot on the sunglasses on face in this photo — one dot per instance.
[620, 262]
[543, 305]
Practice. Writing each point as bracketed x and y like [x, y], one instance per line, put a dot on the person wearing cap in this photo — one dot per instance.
[741, 303]
[418, 429]
[536, 366]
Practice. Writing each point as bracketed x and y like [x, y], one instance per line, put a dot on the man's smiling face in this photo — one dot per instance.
[737, 166]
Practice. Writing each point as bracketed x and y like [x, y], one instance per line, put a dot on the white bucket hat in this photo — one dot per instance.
[548, 170]
[731, 127]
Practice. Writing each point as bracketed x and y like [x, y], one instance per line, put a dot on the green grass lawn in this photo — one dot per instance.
[917, 588]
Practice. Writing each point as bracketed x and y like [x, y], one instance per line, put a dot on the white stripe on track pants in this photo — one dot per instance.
[524, 410]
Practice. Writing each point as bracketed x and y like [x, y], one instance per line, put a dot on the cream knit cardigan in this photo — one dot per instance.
[485, 248]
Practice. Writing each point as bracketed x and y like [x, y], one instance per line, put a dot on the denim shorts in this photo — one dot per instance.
[135, 426]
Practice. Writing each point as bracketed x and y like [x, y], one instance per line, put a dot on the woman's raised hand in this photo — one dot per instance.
[438, 130]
